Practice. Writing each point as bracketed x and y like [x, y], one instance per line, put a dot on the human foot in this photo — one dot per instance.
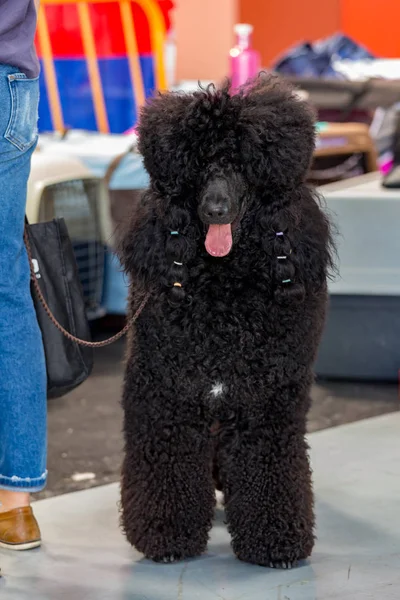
[10, 500]
[19, 529]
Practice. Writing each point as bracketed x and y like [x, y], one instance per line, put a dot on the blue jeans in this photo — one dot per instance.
[22, 365]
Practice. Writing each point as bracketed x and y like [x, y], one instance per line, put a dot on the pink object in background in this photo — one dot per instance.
[386, 163]
[131, 130]
[245, 62]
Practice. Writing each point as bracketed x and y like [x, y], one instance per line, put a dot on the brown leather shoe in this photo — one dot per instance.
[19, 529]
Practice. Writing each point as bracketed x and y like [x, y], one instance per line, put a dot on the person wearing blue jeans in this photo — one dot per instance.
[22, 363]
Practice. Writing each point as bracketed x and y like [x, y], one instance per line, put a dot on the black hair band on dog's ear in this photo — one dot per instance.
[287, 289]
[176, 248]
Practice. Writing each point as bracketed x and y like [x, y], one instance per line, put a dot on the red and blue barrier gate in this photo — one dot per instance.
[75, 76]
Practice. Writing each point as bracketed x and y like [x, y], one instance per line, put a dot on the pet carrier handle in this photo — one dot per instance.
[66, 333]
[114, 164]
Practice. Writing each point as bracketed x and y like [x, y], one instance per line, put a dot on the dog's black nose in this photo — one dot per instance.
[215, 210]
[217, 204]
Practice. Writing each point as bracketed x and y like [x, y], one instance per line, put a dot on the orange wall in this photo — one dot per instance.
[375, 24]
[204, 32]
[281, 23]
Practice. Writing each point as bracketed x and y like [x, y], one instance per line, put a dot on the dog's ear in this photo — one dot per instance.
[277, 133]
[153, 257]
[140, 244]
[161, 133]
[303, 249]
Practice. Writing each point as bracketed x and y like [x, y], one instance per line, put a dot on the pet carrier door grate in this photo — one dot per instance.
[76, 202]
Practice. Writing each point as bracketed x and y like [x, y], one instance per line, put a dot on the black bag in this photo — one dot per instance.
[57, 293]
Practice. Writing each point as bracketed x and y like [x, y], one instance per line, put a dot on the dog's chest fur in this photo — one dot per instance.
[224, 332]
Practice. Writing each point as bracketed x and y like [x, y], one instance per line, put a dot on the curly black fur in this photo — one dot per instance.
[250, 322]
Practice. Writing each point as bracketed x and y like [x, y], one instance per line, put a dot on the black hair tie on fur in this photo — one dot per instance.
[284, 269]
[177, 274]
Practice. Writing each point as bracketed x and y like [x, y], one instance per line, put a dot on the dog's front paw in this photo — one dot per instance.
[167, 558]
[175, 556]
[160, 550]
[281, 564]
[279, 552]
[278, 556]
[258, 558]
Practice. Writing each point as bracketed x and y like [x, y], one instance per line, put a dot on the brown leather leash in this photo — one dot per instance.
[66, 333]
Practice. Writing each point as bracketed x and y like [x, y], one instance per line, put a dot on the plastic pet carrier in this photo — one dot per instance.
[114, 158]
[64, 187]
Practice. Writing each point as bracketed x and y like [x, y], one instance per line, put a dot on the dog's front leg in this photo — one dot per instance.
[267, 484]
[167, 490]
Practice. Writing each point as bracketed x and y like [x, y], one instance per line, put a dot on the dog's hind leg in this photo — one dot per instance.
[267, 485]
[167, 493]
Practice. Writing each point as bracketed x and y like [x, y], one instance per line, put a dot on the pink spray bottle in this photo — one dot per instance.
[245, 62]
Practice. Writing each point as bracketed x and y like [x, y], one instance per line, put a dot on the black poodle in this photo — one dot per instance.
[234, 249]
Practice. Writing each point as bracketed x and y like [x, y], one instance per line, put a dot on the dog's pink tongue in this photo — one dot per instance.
[219, 240]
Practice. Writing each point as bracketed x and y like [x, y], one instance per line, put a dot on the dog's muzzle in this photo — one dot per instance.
[218, 211]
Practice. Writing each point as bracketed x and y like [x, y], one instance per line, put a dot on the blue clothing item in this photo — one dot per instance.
[343, 47]
[317, 59]
[22, 364]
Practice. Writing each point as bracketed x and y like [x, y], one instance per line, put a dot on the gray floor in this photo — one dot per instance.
[357, 556]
